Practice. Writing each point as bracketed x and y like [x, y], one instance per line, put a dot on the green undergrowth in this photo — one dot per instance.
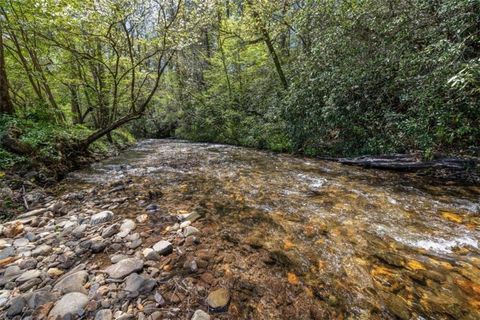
[50, 142]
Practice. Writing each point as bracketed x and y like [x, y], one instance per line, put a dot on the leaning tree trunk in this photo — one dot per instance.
[6, 105]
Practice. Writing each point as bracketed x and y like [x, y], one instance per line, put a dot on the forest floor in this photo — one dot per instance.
[173, 230]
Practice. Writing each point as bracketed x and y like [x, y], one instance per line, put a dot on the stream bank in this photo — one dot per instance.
[178, 230]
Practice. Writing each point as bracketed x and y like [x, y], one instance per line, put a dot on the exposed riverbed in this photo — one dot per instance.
[289, 237]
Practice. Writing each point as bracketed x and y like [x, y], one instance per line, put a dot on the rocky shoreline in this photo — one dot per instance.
[173, 230]
[58, 262]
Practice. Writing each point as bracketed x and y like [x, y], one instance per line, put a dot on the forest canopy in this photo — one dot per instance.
[323, 77]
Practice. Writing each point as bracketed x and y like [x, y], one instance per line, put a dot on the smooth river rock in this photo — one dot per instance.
[41, 250]
[124, 267]
[72, 283]
[7, 252]
[189, 230]
[127, 226]
[71, 303]
[29, 275]
[16, 306]
[217, 300]
[110, 230]
[200, 315]
[105, 314]
[163, 247]
[101, 217]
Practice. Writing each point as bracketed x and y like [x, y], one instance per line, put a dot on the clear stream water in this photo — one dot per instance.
[362, 239]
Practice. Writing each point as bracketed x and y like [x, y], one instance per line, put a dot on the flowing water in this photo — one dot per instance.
[362, 243]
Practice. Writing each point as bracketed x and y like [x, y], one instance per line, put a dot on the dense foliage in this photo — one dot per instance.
[320, 77]
[363, 77]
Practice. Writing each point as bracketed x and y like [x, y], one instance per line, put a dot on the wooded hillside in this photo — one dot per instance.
[322, 77]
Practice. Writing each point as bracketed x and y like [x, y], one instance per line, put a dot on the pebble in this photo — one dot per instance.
[79, 231]
[101, 217]
[4, 295]
[136, 284]
[124, 267]
[71, 303]
[7, 252]
[193, 217]
[13, 229]
[98, 244]
[127, 226]
[218, 300]
[142, 218]
[54, 272]
[152, 208]
[29, 284]
[151, 254]
[163, 247]
[12, 271]
[27, 263]
[135, 244]
[200, 315]
[159, 299]
[110, 230]
[104, 314]
[188, 231]
[41, 250]
[185, 224]
[22, 242]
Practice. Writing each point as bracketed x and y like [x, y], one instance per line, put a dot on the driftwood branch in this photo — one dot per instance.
[409, 163]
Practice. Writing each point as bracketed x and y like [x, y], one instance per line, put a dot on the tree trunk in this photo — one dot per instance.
[224, 63]
[83, 145]
[6, 105]
[270, 47]
[75, 104]
[276, 60]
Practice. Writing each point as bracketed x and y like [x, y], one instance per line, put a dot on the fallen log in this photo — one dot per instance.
[409, 163]
[10, 142]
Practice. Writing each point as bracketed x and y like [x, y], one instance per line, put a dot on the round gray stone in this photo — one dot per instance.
[71, 303]
[124, 267]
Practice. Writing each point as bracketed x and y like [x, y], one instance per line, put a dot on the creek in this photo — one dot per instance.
[346, 242]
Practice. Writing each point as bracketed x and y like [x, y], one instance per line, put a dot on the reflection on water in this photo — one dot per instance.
[362, 239]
